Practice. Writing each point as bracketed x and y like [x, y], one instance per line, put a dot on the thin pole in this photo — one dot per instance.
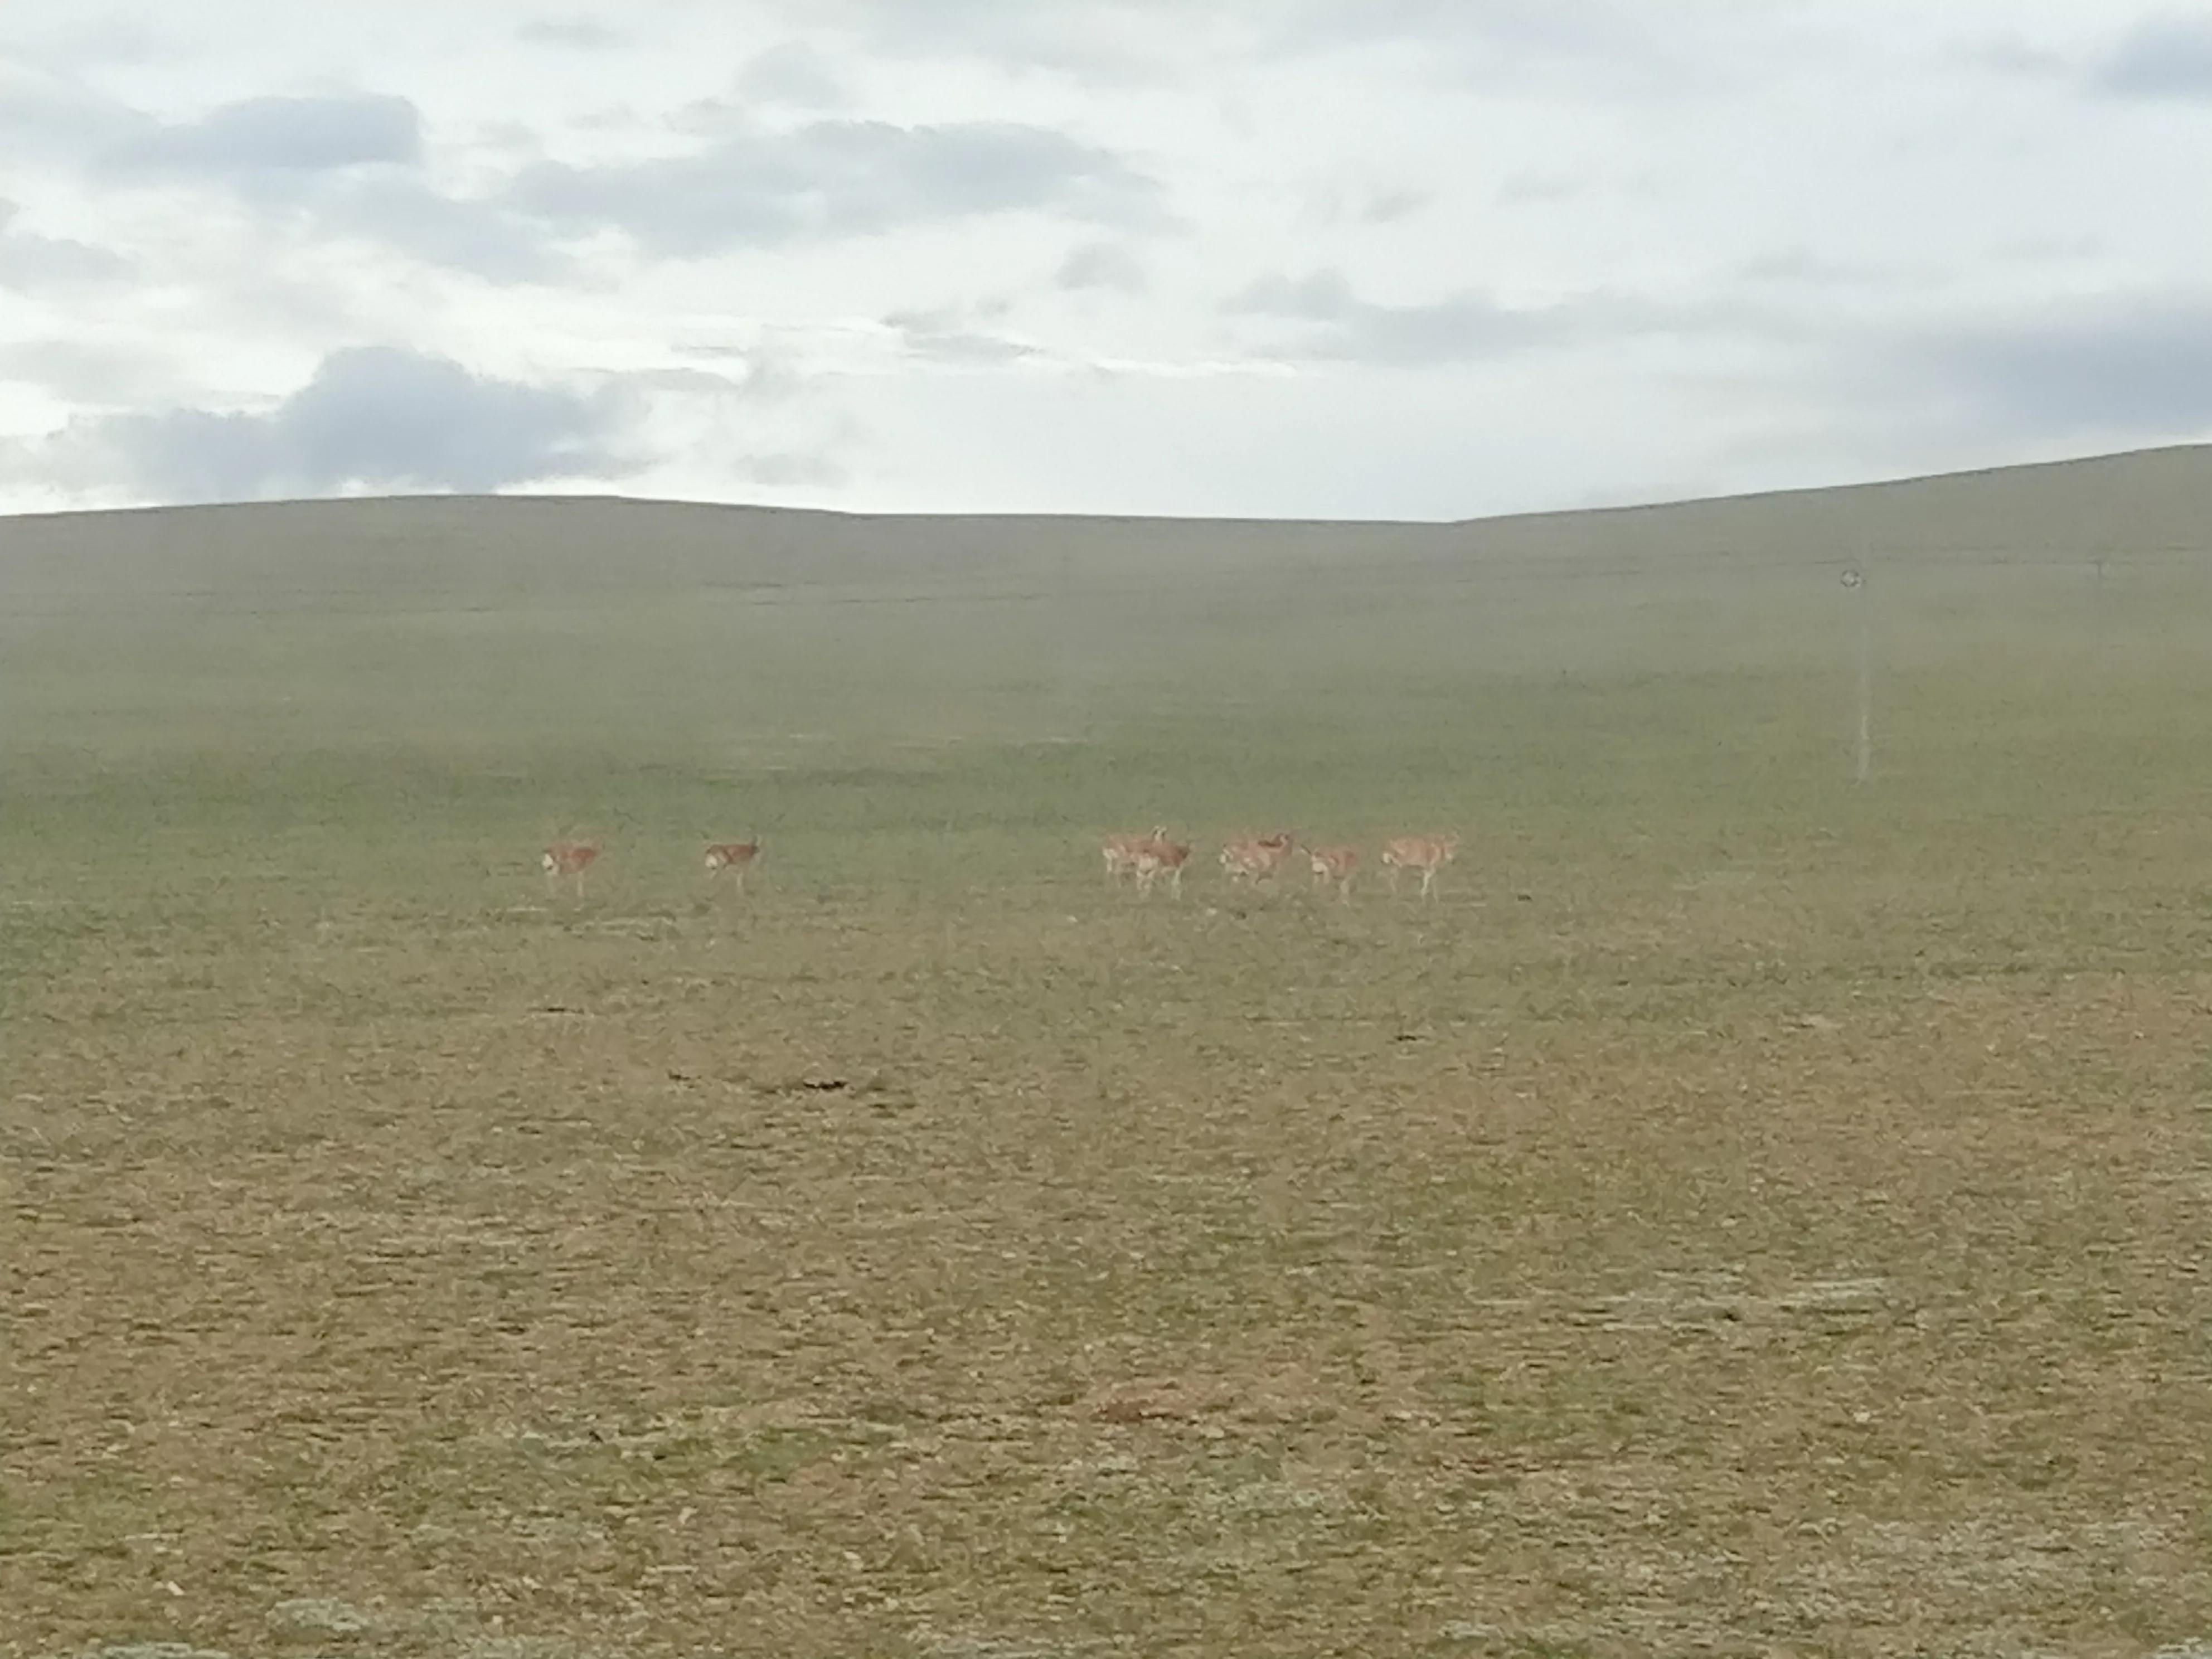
[1866, 691]
[1855, 580]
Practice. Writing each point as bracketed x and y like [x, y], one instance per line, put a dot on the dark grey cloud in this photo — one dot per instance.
[351, 166]
[280, 135]
[29, 261]
[831, 178]
[2161, 57]
[346, 166]
[1328, 319]
[1102, 265]
[372, 417]
[579, 33]
[2127, 369]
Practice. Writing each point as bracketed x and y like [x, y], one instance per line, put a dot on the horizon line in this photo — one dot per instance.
[618, 498]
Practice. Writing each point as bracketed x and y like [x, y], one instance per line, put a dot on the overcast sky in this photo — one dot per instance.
[1402, 259]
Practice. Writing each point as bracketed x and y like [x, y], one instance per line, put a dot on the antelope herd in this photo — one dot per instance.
[1254, 859]
[1141, 858]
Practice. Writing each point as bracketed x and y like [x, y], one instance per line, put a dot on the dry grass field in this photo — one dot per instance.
[1746, 1213]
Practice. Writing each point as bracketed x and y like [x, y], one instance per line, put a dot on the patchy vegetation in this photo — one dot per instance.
[1742, 1211]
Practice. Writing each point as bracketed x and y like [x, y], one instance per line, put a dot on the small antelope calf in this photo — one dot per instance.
[735, 856]
[1257, 858]
[1333, 863]
[1157, 855]
[1426, 853]
[568, 858]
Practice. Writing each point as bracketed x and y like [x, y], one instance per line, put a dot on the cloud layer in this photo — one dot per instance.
[280, 135]
[371, 418]
[1397, 258]
[834, 179]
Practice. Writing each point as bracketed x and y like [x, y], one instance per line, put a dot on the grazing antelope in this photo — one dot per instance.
[1426, 853]
[1333, 863]
[1257, 858]
[568, 858]
[735, 856]
[1156, 854]
[1121, 851]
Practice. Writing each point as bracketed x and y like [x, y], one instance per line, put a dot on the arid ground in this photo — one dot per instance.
[1749, 1213]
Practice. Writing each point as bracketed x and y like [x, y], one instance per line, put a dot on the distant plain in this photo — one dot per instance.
[1751, 1210]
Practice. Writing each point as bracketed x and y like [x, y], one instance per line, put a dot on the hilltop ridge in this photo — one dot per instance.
[2146, 501]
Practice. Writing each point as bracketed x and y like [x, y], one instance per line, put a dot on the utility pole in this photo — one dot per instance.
[1856, 583]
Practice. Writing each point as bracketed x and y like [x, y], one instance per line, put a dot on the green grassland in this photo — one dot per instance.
[1751, 1212]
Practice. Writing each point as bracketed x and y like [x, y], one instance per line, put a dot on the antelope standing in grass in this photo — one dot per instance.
[1426, 853]
[570, 859]
[1121, 851]
[1257, 858]
[735, 856]
[1336, 865]
[1155, 856]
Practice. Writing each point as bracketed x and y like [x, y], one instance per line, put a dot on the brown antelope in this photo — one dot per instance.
[735, 856]
[1333, 863]
[571, 859]
[1257, 858]
[1426, 853]
[1121, 851]
[1155, 855]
